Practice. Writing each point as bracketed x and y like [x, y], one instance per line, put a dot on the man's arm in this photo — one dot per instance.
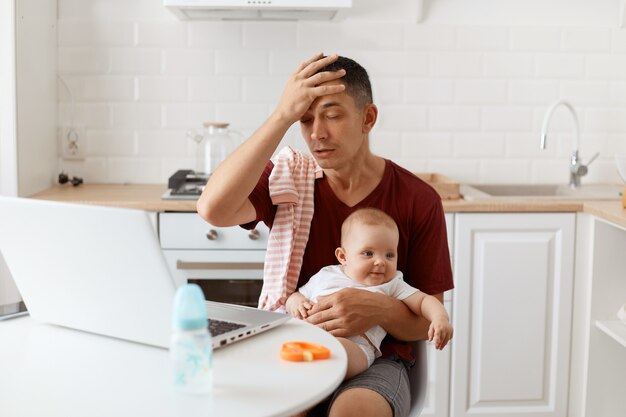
[352, 311]
[224, 201]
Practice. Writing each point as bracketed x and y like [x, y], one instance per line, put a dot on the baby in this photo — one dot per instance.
[368, 258]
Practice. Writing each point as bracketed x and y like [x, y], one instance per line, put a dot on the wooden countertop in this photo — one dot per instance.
[138, 196]
[148, 197]
[607, 210]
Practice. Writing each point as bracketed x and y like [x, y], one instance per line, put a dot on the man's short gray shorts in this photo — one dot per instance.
[388, 377]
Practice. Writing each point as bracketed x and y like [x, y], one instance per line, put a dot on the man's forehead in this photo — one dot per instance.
[334, 100]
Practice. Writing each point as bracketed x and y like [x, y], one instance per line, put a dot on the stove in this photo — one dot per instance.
[185, 184]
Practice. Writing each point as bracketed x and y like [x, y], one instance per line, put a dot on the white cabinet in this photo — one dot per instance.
[512, 314]
[599, 339]
[437, 395]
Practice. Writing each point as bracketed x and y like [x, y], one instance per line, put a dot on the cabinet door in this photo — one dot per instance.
[512, 318]
[437, 395]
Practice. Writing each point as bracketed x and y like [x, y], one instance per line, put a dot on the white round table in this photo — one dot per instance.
[53, 371]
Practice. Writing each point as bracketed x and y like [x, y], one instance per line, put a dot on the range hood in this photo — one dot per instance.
[256, 9]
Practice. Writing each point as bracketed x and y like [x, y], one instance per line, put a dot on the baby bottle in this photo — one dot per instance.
[191, 347]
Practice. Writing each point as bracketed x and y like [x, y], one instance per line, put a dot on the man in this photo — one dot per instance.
[331, 98]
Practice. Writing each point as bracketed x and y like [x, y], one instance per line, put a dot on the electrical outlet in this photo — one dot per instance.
[72, 142]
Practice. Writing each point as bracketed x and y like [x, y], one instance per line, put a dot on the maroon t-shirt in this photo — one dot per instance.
[423, 256]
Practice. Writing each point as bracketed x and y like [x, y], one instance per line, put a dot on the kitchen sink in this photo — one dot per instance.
[541, 191]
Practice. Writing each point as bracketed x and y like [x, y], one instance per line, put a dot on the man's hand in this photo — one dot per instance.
[348, 312]
[303, 87]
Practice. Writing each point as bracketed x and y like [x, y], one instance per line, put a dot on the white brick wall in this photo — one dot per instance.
[463, 99]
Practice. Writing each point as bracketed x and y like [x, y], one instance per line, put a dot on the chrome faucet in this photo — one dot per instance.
[576, 167]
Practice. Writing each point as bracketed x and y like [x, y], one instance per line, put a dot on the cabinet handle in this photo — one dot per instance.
[211, 234]
[254, 234]
[218, 265]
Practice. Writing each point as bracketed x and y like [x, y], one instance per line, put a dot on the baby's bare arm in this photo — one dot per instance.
[429, 307]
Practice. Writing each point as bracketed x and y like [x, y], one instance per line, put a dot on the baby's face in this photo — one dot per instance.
[370, 254]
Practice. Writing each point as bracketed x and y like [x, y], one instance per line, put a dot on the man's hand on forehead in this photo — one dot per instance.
[306, 84]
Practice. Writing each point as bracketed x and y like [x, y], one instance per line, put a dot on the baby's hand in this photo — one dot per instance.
[298, 306]
[440, 331]
[302, 309]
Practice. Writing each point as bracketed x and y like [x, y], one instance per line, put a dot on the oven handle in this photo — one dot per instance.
[218, 265]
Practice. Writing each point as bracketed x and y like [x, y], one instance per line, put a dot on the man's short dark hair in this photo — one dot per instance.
[356, 80]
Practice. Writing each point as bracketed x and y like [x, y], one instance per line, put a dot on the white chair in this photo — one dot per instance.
[418, 377]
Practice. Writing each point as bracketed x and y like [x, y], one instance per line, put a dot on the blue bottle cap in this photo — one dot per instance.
[189, 311]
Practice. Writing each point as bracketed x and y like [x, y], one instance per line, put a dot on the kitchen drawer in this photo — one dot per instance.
[190, 231]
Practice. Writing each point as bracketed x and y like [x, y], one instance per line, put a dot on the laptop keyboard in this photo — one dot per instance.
[217, 327]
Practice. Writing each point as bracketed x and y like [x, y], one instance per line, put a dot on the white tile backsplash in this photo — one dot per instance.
[433, 38]
[616, 143]
[257, 89]
[463, 99]
[188, 61]
[506, 118]
[256, 35]
[83, 60]
[479, 145]
[618, 93]
[560, 66]
[107, 88]
[171, 143]
[535, 39]
[586, 92]
[526, 145]
[135, 61]
[135, 115]
[501, 171]
[482, 38]
[95, 32]
[215, 89]
[480, 91]
[611, 120]
[428, 91]
[90, 115]
[162, 89]
[426, 145]
[609, 67]
[454, 118]
[212, 34]
[402, 118]
[618, 41]
[330, 36]
[242, 116]
[533, 92]
[111, 143]
[456, 64]
[162, 34]
[586, 40]
[241, 62]
[387, 145]
[387, 90]
[509, 65]
[187, 115]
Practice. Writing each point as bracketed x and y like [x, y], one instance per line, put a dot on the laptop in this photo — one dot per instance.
[101, 270]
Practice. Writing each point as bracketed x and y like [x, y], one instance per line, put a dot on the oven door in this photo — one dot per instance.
[230, 276]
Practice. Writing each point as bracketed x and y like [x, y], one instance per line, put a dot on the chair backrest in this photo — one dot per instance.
[418, 377]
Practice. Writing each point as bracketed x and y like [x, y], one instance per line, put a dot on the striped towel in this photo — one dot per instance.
[291, 187]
